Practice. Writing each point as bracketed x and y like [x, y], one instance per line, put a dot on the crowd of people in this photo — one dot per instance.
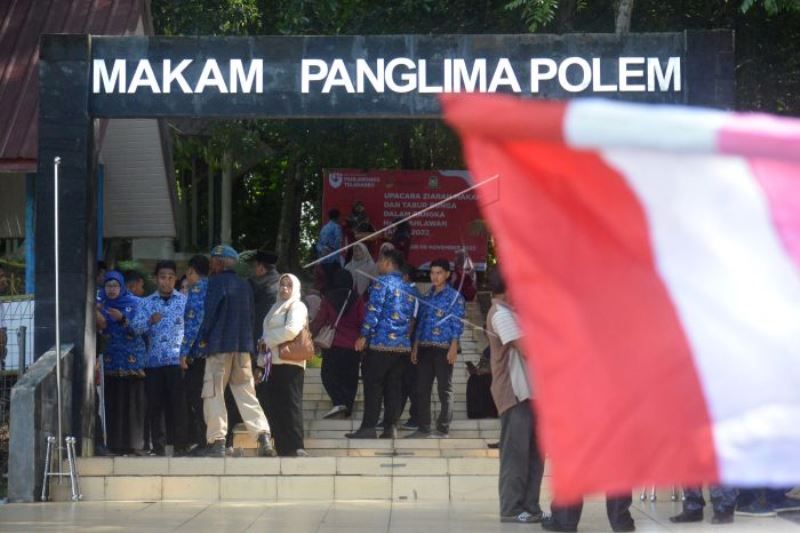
[207, 349]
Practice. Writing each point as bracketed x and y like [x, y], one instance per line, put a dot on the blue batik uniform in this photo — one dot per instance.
[440, 318]
[193, 317]
[124, 353]
[164, 338]
[389, 312]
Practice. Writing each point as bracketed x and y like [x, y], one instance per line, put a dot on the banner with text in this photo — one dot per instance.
[390, 195]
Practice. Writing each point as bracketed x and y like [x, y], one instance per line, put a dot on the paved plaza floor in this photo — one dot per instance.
[333, 517]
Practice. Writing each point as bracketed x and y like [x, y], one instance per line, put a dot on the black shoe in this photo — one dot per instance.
[181, 452]
[493, 445]
[363, 433]
[687, 516]
[215, 449]
[265, 448]
[389, 433]
[198, 451]
[722, 518]
[160, 452]
[548, 524]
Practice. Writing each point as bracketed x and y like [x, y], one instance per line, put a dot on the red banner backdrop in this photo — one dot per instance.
[389, 195]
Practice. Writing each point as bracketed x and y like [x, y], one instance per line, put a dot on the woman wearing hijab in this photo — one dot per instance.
[123, 364]
[284, 387]
[341, 361]
[362, 268]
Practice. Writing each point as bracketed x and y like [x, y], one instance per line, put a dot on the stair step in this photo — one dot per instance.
[312, 478]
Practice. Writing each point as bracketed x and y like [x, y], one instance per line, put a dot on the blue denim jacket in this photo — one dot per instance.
[165, 338]
[440, 316]
[193, 317]
[389, 313]
[228, 320]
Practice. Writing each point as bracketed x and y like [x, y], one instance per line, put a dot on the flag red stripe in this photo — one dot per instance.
[503, 117]
[603, 333]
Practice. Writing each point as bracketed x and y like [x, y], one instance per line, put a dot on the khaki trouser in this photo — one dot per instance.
[223, 369]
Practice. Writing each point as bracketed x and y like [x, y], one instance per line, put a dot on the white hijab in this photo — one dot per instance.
[365, 265]
[282, 306]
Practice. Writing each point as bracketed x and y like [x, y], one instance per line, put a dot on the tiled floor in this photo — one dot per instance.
[329, 517]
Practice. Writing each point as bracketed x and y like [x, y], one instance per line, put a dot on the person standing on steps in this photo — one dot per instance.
[343, 309]
[284, 386]
[226, 335]
[192, 356]
[160, 319]
[521, 463]
[385, 336]
[435, 351]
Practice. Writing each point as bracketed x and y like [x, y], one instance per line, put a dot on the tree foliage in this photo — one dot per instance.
[267, 153]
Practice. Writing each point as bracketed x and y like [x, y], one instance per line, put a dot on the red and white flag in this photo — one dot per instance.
[653, 256]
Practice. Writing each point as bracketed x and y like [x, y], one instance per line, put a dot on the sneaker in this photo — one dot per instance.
[755, 508]
[301, 453]
[265, 448]
[363, 433]
[418, 434]
[389, 433]
[523, 518]
[722, 518]
[215, 449]
[335, 410]
[687, 516]
[440, 434]
[410, 425]
[787, 504]
[548, 524]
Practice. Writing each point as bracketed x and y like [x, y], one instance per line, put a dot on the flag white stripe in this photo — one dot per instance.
[737, 294]
[592, 123]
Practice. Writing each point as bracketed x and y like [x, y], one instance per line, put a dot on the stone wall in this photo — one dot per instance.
[33, 419]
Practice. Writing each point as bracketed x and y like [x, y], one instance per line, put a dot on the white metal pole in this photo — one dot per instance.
[56, 164]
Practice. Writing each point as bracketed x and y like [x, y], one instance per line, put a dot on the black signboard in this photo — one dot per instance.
[390, 75]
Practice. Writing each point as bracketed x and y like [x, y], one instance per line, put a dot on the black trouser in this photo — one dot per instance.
[340, 375]
[521, 464]
[408, 390]
[167, 397]
[125, 410]
[432, 363]
[723, 499]
[283, 393]
[196, 423]
[617, 509]
[383, 374]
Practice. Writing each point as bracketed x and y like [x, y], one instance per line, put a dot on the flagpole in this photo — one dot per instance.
[56, 165]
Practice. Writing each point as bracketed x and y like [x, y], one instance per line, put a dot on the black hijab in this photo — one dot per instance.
[342, 284]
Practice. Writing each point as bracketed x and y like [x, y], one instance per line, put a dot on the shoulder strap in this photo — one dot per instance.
[341, 311]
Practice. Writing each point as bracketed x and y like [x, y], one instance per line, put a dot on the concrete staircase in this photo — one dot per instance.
[461, 467]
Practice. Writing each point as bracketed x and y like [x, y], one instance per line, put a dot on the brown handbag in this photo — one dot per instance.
[299, 349]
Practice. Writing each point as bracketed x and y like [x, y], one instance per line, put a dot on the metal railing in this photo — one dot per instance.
[16, 355]
[16, 332]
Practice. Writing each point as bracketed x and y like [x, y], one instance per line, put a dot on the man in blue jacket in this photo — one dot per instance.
[435, 351]
[385, 335]
[226, 335]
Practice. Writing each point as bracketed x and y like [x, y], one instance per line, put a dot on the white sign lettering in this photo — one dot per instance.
[399, 75]
[167, 77]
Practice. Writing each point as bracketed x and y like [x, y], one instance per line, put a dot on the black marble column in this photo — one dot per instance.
[65, 131]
